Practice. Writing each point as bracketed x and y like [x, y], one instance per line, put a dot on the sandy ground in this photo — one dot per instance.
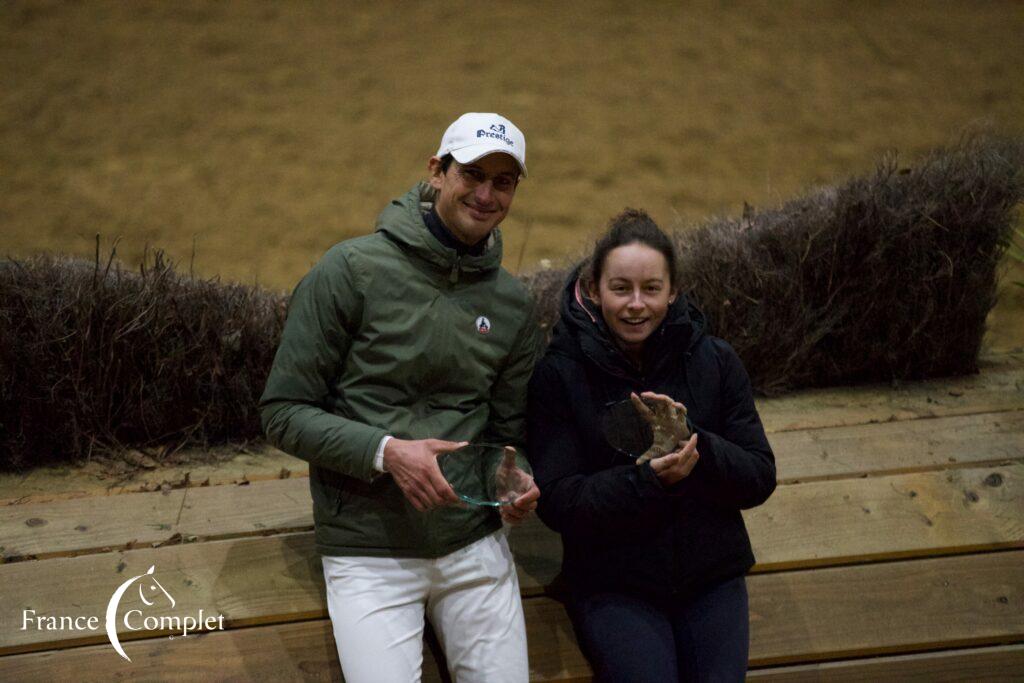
[257, 134]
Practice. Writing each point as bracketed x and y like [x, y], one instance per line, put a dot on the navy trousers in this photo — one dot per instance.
[631, 640]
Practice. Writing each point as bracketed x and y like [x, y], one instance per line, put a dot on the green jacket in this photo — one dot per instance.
[382, 338]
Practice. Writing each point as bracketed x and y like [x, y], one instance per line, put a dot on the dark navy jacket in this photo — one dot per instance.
[621, 529]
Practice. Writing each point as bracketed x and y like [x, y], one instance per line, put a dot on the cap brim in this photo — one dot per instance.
[468, 155]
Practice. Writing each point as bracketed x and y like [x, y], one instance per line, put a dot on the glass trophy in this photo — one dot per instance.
[641, 436]
[625, 429]
[486, 475]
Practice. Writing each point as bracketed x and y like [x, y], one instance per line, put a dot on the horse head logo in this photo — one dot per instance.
[149, 588]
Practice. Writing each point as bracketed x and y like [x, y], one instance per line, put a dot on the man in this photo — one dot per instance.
[400, 346]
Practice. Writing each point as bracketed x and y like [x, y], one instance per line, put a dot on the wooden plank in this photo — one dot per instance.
[896, 607]
[302, 651]
[250, 581]
[978, 665]
[893, 447]
[217, 512]
[906, 515]
[804, 616]
[305, 651]
[813, 524]
[998, 387]
[97, 524]
[290, 652]
[850, 521]
[554, 653]
[140, 519]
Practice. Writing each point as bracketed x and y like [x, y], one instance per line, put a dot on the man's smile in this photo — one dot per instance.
[479, 212]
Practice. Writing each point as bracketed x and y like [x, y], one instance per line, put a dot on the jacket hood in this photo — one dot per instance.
[581, 332]
[402, 222]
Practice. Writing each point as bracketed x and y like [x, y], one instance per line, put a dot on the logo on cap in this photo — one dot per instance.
[498, 136]
[498, 128]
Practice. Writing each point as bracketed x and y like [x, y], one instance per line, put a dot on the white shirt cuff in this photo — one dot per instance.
[378, 459]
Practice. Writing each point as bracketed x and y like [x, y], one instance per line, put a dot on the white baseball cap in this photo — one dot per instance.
[473, 136]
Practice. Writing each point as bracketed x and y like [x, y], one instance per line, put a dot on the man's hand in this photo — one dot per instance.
[678, 465]
[516, 486]
[413, 465]
[521, 507]
[668, 423]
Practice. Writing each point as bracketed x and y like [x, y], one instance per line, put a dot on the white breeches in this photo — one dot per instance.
[471, 596]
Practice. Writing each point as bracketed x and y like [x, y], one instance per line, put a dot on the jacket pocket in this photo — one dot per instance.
[327, 489]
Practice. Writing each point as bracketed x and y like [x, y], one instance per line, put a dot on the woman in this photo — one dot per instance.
[656, 552]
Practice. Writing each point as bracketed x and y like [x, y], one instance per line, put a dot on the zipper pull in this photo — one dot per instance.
[453, 277]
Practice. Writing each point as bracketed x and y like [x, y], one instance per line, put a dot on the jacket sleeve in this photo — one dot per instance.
[572, 500]
[507, 421]
[736, 467]
[323, 313]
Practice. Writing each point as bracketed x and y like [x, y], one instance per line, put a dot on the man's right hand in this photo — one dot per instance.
[413, 465]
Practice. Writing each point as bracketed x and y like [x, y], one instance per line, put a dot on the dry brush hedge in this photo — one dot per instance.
[96, 357]
[887, 276]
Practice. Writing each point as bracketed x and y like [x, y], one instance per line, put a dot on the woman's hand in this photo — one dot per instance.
[677, 465]
[668, 423]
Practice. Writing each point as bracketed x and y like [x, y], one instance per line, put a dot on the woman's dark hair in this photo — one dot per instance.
[629, 227]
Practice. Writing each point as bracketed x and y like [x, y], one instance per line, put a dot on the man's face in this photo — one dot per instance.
[474, 198]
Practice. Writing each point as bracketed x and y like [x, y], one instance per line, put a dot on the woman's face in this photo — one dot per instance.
[634, 294]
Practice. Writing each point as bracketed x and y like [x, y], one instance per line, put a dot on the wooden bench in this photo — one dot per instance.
[893, 548]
